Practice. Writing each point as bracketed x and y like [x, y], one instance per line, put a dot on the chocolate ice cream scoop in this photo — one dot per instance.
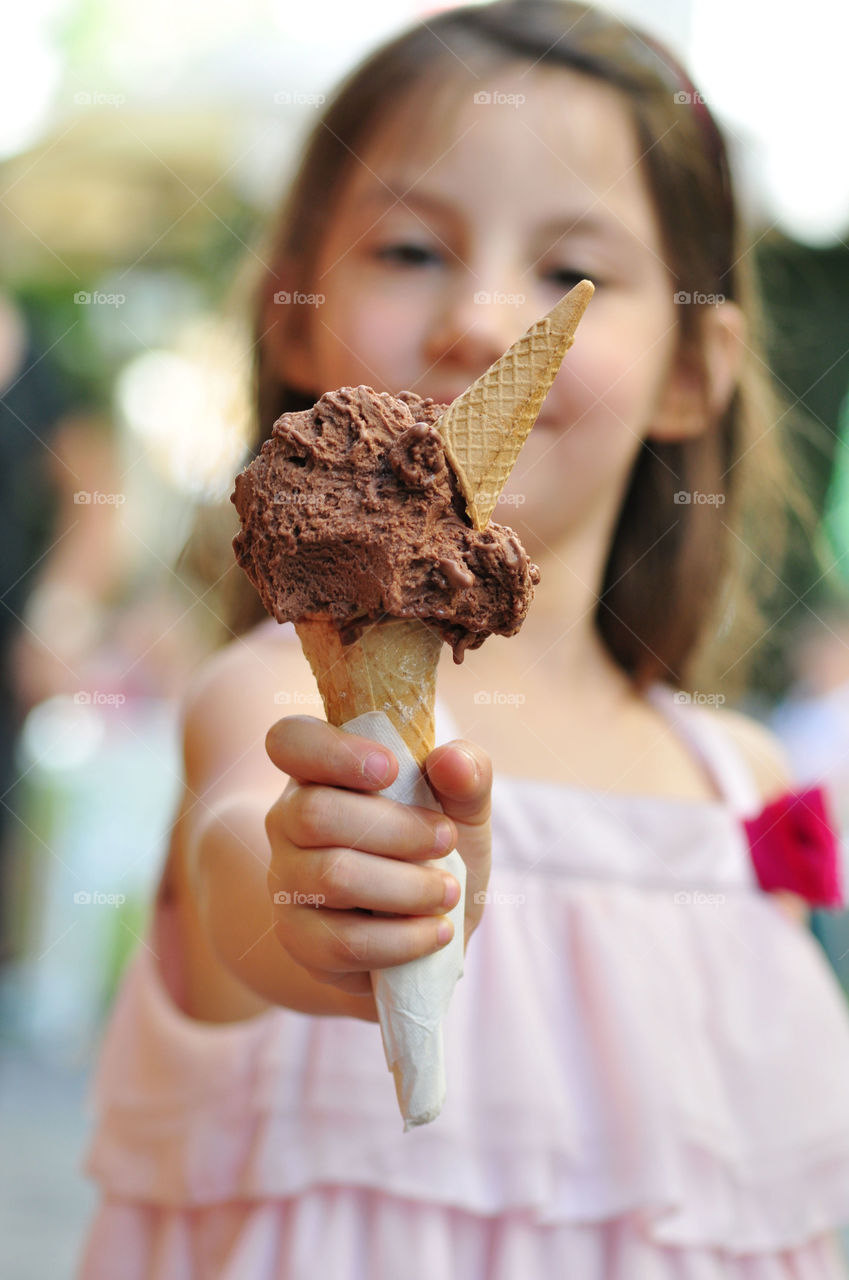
[351, 513]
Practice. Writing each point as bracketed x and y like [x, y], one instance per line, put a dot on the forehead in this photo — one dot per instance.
[533, 144]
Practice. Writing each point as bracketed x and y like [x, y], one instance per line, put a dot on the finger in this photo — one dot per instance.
[313, 817]
[461, 776]
[345, 879]
[353, 942]
[313, 751]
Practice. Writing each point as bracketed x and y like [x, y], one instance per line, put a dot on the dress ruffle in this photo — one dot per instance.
[676, 1053]
[360, 1235]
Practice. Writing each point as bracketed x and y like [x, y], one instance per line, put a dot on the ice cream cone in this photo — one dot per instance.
[486, 426]
[391, 667]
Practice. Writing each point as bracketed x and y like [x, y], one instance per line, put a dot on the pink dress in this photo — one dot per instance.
[648, 1072]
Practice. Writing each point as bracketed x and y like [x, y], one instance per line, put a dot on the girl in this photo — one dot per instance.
[648, 1060]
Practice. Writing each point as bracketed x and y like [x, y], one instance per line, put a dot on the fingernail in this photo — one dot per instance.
[443, 837]
[452, 892]
[444, 932]
[376, 767]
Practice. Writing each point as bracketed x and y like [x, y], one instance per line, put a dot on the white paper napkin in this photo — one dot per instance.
[413, 998]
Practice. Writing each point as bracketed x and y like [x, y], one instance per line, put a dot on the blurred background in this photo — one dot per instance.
[142, 148]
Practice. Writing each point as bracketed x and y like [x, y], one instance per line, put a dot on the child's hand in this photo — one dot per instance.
[338, 852]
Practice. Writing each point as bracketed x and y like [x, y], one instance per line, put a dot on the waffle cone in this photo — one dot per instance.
[391, 668]
[486, 426]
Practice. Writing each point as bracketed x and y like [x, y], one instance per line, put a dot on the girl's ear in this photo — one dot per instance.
[693, 400]
[284, 344]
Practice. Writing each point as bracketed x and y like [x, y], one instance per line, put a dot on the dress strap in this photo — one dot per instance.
[713, 746]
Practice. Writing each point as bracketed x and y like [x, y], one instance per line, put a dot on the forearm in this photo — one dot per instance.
[235, 961]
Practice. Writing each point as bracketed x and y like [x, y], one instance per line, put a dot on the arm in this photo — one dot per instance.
[238, 841]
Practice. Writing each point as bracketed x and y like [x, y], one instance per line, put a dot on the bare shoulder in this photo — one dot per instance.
[235, 698]
[772, 774]
[761, 748]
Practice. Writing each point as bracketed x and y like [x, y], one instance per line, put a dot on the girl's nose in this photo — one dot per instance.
[474, 329]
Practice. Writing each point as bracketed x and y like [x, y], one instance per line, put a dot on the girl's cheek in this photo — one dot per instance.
[367, 341]
[386, 339]
[585, 382]
[616, 373]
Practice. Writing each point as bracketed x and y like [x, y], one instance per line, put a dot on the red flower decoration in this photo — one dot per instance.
[794, 847]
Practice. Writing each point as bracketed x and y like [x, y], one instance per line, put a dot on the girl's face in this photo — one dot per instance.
[437, 262]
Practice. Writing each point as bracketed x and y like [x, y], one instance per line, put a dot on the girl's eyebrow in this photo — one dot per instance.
[584, 221]
[389, 194]
[591, 221]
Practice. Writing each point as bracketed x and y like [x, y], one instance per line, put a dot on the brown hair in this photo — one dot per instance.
[677, 571]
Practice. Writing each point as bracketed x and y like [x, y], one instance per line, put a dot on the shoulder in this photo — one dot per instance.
[771, 771]
[235, 697]
[761, 749]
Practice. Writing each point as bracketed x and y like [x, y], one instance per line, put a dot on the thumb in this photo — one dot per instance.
[460, 775]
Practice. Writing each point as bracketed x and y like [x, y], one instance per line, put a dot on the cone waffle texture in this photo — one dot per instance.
[390, 668]
[486, 426]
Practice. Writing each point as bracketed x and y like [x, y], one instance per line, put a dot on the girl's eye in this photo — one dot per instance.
[565, 277]
[408, 254]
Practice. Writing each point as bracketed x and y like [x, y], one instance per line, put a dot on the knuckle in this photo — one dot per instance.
[411, 830]
[279, 886]
[285, 937]
[421, 829]
[308, 813]
[274, 824]
[357, 946]
[337, 877]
